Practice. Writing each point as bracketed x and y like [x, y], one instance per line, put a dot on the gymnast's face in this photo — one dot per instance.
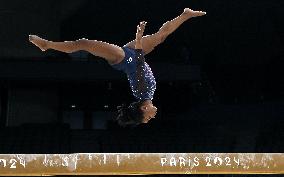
[149, 111]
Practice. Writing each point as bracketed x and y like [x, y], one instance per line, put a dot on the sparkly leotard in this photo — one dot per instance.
[139, 74]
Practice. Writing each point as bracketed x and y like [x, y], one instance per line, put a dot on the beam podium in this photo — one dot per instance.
[140, 163]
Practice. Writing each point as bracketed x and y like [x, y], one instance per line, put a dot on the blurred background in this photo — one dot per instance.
[220, 85]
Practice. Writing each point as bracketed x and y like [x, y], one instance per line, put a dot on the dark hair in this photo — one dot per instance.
[130, 115]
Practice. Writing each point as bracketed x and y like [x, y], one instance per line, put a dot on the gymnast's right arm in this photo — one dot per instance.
[139, 35]
[140, 70]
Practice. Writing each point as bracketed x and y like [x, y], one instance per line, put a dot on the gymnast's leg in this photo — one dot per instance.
[151, 41]
[112, 53]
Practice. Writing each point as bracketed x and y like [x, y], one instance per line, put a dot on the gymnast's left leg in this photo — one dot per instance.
[151, 41]
[111, 53]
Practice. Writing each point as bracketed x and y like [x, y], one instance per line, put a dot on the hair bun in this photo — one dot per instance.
[129, 115]
[123, 112]
[122, 107]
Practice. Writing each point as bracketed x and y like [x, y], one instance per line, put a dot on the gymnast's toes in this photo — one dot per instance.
[39, 42]
[191, 13]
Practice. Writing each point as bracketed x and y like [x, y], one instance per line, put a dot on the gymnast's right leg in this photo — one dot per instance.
[112, 53]
[151, 41]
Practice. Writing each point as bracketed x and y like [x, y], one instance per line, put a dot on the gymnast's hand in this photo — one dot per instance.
[139, 34]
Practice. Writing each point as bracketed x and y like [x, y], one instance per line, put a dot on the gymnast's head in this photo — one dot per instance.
[136, 113]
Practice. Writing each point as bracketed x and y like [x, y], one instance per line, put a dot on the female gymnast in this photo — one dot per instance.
[129, 59]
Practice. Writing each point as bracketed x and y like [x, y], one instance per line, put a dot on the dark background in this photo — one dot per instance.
[219, 77]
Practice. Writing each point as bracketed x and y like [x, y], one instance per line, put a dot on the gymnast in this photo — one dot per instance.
[129, 59]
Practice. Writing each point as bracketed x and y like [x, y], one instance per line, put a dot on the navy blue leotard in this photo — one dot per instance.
[139, 74]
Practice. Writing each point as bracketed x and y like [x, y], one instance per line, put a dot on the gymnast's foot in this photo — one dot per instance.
[39, 42]
[191, 13]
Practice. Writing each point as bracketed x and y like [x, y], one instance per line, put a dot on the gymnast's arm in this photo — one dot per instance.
[140, 70]
[139, 35]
